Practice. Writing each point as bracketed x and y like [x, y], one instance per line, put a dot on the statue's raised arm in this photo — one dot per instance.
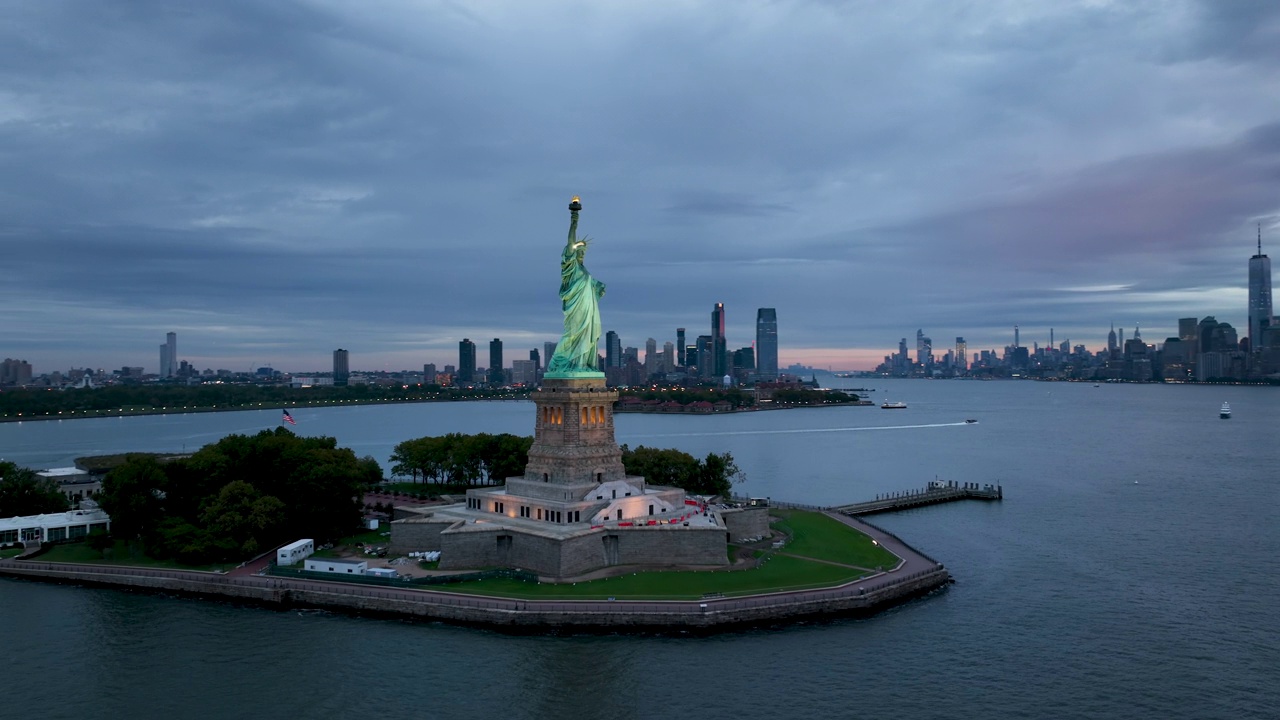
[577, 352]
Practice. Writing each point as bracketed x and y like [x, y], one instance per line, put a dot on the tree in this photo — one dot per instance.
[24, 492]
[241, 520]
[133, 495]
[717, 474]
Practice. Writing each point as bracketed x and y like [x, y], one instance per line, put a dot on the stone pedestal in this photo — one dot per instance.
[573, 448]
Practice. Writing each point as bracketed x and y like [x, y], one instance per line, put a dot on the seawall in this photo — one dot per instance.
[862, 597]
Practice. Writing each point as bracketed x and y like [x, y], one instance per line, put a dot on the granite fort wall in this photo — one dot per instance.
[746, 522]
[417, 534]
[672, 545]
[474, 546]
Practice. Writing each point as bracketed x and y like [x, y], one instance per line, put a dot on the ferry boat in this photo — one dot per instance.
[1225, 412]
[893, 405]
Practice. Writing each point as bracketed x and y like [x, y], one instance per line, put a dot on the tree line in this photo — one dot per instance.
[238, 497]
[736, 397]
[739, 398]
[483, 459]
[462, 460]
[810, 396]
[24, 492]
[156, 396]
[713, 475]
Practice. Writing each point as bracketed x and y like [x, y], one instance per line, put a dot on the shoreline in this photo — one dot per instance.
[917, 576]
[262, 406]
[296, 406]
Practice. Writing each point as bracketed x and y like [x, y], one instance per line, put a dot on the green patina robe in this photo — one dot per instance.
[579, 295]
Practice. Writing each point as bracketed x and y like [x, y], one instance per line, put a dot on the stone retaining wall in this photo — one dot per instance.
[709, 614]
[746, 522]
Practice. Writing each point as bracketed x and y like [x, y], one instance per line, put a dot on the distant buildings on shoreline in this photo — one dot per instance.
[1203, 350]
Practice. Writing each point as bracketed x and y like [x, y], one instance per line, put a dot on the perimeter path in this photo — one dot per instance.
[915, 576]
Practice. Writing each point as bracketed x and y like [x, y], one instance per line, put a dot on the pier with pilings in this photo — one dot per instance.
[936, 492]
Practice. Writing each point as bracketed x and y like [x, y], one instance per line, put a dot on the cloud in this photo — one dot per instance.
[297, 176]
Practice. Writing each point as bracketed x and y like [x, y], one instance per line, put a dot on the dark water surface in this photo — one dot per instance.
[1130, 572]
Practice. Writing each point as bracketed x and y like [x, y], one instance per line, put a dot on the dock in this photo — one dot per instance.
[936, 492]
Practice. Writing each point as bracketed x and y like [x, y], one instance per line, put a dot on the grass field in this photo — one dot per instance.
[776, 574]
[10, 552]
[118, 555]
[817, 536]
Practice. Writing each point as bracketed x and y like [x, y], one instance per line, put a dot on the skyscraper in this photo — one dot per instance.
[169, 356]
[651, 363]
[719, 351]
[466, 361]
[680, 346]
[706, 366]
[767, 344]
[548, 352]
[536, 359]
[1112, 343]
[429, 374]
[1259, 296]
[612, 349]
[341, 367]
[1017, 340]
[962, 349]
[1187, 330]
[496, 376]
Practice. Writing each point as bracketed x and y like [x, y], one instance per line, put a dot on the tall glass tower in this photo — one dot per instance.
[341, 367]
[719, 350]
[767, 344]
[466, 361]
[496, 375]
[1259, 295]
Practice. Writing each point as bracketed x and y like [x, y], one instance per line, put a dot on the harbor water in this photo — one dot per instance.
[1129, 573]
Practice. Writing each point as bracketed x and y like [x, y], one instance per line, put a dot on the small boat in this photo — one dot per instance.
[893, 405]
[971, 421]
[1225, 412]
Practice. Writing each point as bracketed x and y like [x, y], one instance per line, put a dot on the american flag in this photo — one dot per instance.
[289, 418]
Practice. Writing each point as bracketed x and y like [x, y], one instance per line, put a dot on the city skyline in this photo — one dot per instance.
[1049, 166]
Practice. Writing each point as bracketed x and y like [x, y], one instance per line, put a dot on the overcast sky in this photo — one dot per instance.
[274, 180]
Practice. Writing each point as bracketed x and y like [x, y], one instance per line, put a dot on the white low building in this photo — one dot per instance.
[336, 566]
[295, 551]
[75, 483]
[52, 527]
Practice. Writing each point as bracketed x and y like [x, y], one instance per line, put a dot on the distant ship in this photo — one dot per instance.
[1225, 412]
[893, 405]
[971, 421]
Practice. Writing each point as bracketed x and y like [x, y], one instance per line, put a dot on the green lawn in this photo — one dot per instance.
[119, 555]
[817, 536]
[10, 552]
[775, 574]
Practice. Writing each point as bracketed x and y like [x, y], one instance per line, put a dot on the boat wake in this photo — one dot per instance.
[803, 430]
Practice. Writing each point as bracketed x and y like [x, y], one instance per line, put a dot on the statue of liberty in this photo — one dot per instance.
[576, 353]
